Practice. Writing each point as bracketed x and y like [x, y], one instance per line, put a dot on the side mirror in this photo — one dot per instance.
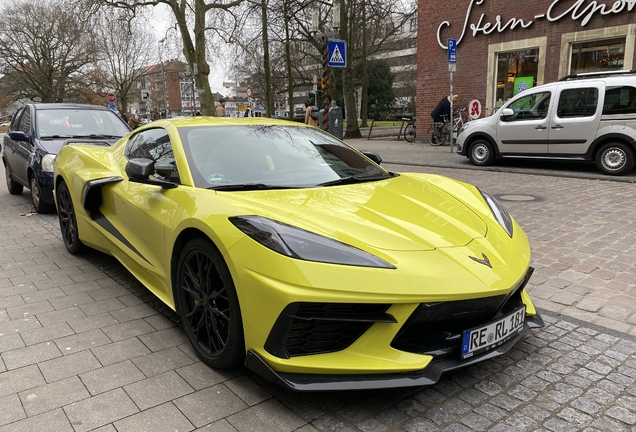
[139, 170]
[373, 156]
[506, 113]
[18, 136]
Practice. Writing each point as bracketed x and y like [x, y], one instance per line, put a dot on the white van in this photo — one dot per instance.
[580, 117]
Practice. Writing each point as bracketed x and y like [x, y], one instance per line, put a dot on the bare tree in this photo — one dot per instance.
[125, 51]
[190, 19]
[44, 45]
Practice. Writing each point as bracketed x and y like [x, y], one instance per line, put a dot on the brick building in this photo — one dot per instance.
[505, 46]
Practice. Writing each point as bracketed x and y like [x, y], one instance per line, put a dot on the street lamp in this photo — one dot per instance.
[163, 76]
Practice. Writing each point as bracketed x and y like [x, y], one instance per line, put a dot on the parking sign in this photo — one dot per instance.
[452, 50]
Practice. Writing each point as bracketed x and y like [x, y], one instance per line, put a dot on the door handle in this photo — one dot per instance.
[557, 127]
[540, 127]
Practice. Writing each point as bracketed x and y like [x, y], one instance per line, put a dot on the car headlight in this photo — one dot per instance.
[47, 162]
[500, 213]
[300, 244]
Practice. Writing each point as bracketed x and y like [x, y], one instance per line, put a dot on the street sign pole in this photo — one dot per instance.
[452, 67]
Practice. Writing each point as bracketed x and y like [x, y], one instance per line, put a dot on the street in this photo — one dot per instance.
[84, 346]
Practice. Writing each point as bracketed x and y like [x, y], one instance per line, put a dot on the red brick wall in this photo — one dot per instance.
[469, 81]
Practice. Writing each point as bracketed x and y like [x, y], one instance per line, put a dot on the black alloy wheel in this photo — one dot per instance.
[208, 305]
[14, 187]
[68, 222]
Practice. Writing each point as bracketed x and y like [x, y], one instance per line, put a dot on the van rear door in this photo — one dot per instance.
[575, 118]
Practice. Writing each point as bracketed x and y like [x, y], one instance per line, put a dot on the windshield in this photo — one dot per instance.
[68, 123]
[272, 156]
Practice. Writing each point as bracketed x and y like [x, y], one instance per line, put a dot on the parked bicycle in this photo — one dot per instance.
[409, 130]
[490, 111]
[439, 132]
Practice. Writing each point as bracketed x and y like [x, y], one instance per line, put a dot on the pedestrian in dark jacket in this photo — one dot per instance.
[443, 108]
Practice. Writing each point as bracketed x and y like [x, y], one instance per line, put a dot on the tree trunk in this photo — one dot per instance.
[288, 64]
[197, 56]
[352, 131]
[363, 94]
[269, 103]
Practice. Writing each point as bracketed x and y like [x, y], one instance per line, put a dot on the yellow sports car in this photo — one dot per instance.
[287, 250]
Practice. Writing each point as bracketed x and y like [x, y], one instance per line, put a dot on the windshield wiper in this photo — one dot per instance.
[102, 136]
[352, 180]
[249, 186]
[56, 136]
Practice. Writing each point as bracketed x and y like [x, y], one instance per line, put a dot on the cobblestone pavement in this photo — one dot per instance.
[84, 347]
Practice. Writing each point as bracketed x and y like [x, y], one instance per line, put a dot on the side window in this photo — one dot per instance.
[15, 122]
[530, 107]
[620, 100]
[577, 102]
[155, 144]
[25, 122]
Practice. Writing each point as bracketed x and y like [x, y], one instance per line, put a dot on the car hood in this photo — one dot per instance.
[406, 213]
[54, 145]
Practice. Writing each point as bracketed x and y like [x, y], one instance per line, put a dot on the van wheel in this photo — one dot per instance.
[615, 159]
[481, 153]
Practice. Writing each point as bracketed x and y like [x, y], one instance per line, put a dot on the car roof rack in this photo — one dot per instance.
[597, 74]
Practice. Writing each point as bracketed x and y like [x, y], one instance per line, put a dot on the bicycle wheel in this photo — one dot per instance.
[435, 138]
[409, 132]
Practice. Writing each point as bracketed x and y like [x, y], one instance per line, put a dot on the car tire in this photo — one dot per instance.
[206, 299]
[615, 159]
[68, 220]
[36, 197]
[14, 187]
[481, 153]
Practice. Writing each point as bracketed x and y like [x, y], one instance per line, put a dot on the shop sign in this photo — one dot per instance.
[583, 10]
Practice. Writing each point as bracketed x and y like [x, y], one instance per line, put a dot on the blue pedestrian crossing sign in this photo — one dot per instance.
[336, 53]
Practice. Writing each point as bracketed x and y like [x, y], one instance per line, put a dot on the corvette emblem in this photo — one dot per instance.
[484, 261]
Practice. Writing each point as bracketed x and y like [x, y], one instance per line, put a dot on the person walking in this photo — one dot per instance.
[220, 108]
[133, 121]
[156, 115]
[312, 113]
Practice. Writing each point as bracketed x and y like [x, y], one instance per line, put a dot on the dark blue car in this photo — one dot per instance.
[36, 134]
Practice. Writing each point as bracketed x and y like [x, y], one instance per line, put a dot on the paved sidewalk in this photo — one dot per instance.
[83, 346]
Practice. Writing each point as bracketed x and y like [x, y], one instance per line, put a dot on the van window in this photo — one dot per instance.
[580, 102]
[530, 107]
[620, 100]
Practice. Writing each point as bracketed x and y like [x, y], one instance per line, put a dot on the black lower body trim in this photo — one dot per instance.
[427, 376]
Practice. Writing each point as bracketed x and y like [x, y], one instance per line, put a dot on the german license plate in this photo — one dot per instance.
[491, 335]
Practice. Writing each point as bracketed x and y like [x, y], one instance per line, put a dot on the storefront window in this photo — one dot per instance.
[603, 55]
[516, 72]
